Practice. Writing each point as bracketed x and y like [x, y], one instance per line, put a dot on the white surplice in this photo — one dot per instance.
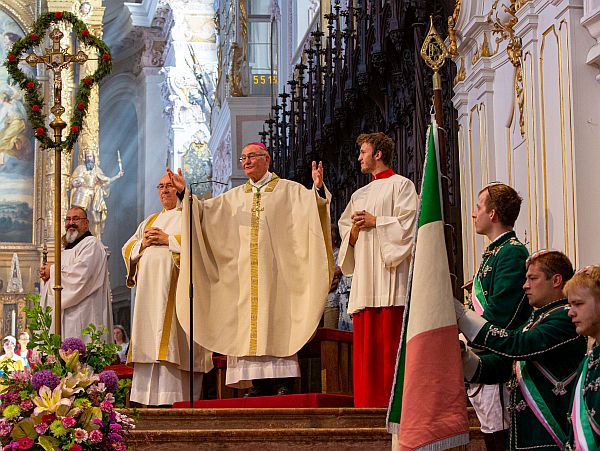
[85, 297]
[380, 259]
[158, 347]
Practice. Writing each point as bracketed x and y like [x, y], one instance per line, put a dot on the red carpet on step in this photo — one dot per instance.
[306, 400]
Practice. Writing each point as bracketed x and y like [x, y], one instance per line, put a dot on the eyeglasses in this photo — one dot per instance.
[168, 186]
[74, 219]
[251, 156]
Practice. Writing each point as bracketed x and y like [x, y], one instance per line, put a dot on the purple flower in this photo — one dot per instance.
[45, 377]
[115, 427]
[114, 437]
[98, 422]
[95, 436]
[73, 344]
[110, 380]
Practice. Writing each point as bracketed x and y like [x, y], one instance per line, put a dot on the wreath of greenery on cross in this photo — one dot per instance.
[31, 86]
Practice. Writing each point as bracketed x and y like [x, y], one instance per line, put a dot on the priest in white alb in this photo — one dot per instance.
[262, 268]
[85, 296]
[377, 230]
[158, 347]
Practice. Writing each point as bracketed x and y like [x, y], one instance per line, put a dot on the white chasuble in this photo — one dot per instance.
[262, 269]
[380, 259]
[156, 336]
[85, 297]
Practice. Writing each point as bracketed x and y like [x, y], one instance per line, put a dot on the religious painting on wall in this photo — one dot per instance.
[16, 148]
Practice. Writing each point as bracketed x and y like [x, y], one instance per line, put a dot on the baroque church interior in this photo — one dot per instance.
[192, 81]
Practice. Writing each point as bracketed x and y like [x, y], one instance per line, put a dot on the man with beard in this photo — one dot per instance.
[84, 277]
[377, 230]
[159, 348]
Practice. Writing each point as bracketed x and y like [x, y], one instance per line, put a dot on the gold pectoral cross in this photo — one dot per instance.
[256, 207]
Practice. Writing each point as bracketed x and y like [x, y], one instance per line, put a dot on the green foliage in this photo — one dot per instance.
[121, 393]
[49, 443]
[40, 320]
[31, 86]
[99, 354]
[24, 428]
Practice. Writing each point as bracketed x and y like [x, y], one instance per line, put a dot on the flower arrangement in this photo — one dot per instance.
[65, 401]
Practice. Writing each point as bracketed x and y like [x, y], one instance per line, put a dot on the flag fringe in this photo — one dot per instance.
[447, 443]
[393, 428]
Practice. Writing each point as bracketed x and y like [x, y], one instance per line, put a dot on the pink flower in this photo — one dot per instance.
[50, 359]
[75, 447]
[41, 428]
[80, 435]
[119, 446]
[106, 406]
[25, 443]
[5, 427]
[68, 422]
[36, 358]
[95, 436]
[26, 405]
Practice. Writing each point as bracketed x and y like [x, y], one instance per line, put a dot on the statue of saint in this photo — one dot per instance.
[89, 190]
[15, 282]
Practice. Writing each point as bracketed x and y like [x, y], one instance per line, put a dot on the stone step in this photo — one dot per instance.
[263, 439]
[203, 419]
[268, 429]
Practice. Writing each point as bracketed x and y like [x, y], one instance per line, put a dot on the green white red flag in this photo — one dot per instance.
[428, 403]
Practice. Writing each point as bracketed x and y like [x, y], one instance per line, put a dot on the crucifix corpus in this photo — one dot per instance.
[56, 59]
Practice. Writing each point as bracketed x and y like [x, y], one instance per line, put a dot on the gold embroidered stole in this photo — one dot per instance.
[254, 226]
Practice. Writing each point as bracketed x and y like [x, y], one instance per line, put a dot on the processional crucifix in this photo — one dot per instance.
[56, 59]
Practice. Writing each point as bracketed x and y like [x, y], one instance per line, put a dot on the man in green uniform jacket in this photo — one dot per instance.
[583, 292]
[497, 295]
[546, 352]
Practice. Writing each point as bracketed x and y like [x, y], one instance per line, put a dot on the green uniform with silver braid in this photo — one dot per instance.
[546, 352]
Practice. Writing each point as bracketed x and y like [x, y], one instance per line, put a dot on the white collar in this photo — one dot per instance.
[263, 180]
[500, 236]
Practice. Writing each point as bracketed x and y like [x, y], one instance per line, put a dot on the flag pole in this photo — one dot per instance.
[434, 52]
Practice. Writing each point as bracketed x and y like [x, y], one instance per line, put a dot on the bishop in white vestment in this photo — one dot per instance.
[262, 270]
[85, 296]
[158, 347]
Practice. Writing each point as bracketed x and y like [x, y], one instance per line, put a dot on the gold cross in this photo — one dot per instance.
[257, 209]
[56, 59]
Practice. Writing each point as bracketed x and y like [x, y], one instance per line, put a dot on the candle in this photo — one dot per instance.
[13, 323]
